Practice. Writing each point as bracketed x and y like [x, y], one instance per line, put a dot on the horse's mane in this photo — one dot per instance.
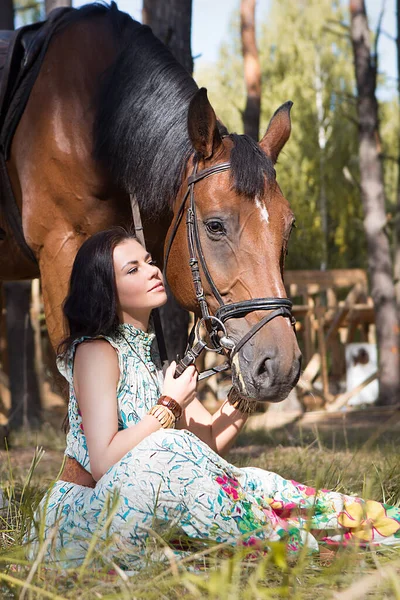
[140, 129]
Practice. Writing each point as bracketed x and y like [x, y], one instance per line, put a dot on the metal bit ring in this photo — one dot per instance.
[220, 325]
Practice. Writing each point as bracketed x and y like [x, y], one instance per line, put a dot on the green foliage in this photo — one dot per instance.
[28, 11]
[306, 55]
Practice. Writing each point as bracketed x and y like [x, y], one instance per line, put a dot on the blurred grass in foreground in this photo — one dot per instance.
[349, 461]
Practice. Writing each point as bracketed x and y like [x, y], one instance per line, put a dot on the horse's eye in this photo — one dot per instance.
[215, 228]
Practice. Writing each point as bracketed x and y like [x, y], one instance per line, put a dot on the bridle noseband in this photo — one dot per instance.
[215, 323]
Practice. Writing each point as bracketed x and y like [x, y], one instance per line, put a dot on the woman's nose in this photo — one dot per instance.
[153, 270]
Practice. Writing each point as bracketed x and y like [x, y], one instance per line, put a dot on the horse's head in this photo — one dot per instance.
[242, 223]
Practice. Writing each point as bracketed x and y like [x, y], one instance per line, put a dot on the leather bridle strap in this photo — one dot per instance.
[194, 229]
[137, 220]
[195, 176]
[282, 311]
[236, 310]
[198, 175]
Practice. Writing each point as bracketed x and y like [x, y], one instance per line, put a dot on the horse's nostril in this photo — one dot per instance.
[272, 369]
[264, 367]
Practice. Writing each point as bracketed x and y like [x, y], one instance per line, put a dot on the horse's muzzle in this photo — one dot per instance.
[267, 379]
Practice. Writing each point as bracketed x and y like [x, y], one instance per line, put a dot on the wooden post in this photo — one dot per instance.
[35, 320]
[342, 312]
[309, 349]
[322, 350]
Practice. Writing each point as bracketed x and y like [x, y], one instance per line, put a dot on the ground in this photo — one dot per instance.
[353, 453]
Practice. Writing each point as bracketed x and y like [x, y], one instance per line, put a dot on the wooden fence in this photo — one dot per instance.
[332, 309]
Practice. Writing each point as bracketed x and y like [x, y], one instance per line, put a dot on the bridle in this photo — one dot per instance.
[280, 307]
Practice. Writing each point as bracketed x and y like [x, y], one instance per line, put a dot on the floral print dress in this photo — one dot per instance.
[174, 482]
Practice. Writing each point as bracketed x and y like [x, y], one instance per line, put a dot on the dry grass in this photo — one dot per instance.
[347, 460]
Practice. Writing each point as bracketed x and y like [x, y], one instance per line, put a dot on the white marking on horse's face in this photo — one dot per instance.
[235, 361]
[263, 210]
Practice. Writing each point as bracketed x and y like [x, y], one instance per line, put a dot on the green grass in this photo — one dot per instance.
[350, 461]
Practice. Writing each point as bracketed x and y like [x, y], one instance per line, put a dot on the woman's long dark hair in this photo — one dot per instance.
[90, 309]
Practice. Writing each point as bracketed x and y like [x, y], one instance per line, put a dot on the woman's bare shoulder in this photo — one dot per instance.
[96, 354]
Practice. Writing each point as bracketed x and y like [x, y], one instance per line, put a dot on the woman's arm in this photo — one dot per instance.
[96, 374]
[219, 430]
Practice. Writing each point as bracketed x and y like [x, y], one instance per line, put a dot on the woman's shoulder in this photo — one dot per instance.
[96, 360]
[95, 347]
[100, 352]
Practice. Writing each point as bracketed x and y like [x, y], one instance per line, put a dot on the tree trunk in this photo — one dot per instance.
[322, 140]
[171, 22]
[373, 200]
[6, 14]
[25, 397]
[397, 215]
[252, 70]
[52, 4]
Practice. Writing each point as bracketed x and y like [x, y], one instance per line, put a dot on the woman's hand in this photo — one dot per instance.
[183, 388]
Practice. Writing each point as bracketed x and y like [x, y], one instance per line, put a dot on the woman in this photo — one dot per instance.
[144, 456]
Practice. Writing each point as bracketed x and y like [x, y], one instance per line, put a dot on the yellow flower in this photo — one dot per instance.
[364, 519]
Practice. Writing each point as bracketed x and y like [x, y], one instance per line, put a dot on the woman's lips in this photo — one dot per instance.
[157, 288]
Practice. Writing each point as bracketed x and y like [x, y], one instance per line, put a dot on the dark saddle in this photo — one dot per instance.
[21, 55]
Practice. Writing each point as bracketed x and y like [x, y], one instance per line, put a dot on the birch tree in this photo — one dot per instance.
[373, 200]
[397, 219]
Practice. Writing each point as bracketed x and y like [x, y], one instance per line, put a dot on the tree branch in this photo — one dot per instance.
[348, 175]
[337, 33]
[349, 118]
[384, 156]
[340, 23]
[378, 31]
[346, 95]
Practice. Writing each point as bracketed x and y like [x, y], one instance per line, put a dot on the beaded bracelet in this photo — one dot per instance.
[172, 404]
[164, 415]
[241, 403]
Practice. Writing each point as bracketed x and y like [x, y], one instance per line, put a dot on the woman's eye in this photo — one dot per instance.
[215, 227]
[152, 262]
[133, 270]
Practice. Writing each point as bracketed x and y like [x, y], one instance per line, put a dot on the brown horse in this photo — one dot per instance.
[112, 113]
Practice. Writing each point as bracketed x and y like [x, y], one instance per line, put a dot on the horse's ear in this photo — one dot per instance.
[202, 125]
[278, 132]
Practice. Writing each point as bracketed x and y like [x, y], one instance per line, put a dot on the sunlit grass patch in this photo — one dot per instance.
[216, 571]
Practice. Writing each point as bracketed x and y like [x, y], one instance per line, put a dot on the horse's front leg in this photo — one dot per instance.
[55, 261]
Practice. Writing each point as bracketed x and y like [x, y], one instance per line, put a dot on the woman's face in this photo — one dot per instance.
[139, 281]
